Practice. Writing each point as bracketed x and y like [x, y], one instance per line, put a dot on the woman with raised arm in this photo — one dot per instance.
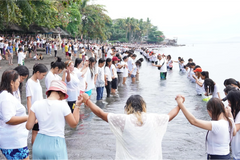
[220, 128]
[139, 134]
[51, 114]
[13, 134]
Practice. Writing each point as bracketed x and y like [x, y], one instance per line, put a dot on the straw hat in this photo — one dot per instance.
[58, 85]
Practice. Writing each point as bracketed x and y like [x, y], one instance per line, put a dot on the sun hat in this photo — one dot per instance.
[58, 85]
[198, 70]
[115, 59]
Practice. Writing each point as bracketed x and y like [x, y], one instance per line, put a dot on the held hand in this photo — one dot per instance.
[79, 100]
[84, 97]
[153, 64]
[180, 99]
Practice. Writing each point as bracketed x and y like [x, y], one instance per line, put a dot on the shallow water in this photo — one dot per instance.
[92, 139]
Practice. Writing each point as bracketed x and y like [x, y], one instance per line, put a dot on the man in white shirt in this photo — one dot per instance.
[21, 57]
[162, 66]
[111, 52]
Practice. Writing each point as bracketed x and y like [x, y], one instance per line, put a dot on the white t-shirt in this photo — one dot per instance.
[218, 138]
[72, 87]
[235, 144]
[1, 45]
[21, 57]
[191, 76]
[138, 142]
[134, 69]
[163, 62]
[11, 136]
[125, 69]
[50, 77]
[215, 92]
[17, 95]
[113, 71]
[34, 90]
[90, 79]
[100, 78]
[51, 116]
[119, 70]
[75, 47]
[199, 89]
[109, 54]
[130, 63]
[55, 47]
[107, 72]
[82, 79]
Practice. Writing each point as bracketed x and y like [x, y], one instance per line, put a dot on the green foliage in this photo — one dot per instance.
[134, 30]
[78, 18]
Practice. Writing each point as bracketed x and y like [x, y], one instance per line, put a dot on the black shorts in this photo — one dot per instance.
[152, 61]
[36, 127]
[69, 54]
[114, 83]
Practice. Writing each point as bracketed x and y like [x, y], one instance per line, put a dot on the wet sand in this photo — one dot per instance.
[92, 139]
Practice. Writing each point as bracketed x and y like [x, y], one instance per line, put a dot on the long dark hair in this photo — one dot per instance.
[107, 61]
[205, 74]
[231, 81]
[7, 77]
[234, 99]
[39, 68]
[22, 71]
[209, 83]
[58, 63]
[91, 67]
[77, 62]
[216, 107]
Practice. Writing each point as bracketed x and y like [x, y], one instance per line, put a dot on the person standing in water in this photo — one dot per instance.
[138, 134]
[220, 129]
[162, 66]
[34, 91]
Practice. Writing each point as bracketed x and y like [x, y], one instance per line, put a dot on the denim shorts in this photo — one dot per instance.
[20, 153]
[133, 76]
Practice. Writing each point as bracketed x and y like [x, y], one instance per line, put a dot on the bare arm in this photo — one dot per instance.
[29, 103]
[194, 121]
[73, 118]
[173, 113]
[31, 120]
[15, 120]
[95, 109]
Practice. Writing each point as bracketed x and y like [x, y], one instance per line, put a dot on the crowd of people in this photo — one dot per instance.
[70, 83]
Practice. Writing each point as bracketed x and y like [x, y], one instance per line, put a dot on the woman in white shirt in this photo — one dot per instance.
[56, 69]
[21, 57]
[113, 68]
[81, 70]
[108, 76]
[13, 134]
[51, 114]
[220, 129]
[71, 79]
[138, 134]
[125, 69]
[211, 88]
[91, 76]
[23, 73]
[34, 91]
[233, 98]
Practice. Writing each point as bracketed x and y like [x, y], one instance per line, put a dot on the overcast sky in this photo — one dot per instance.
[191, 21]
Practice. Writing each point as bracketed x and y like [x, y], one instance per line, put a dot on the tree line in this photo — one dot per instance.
[79, 18]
